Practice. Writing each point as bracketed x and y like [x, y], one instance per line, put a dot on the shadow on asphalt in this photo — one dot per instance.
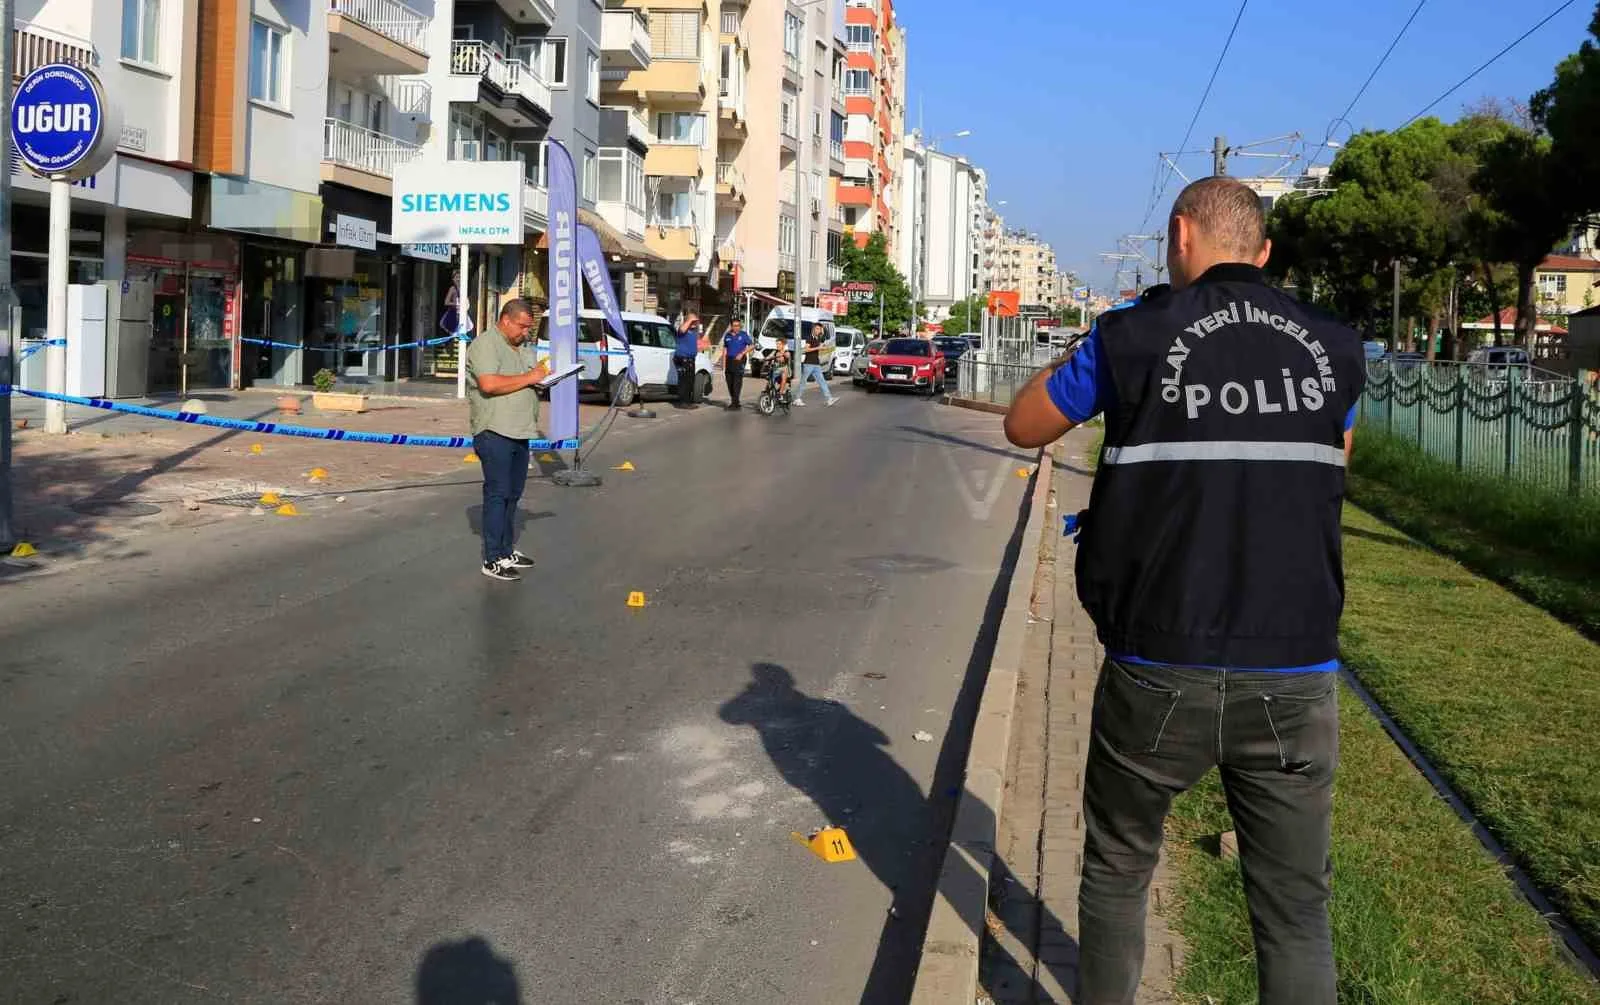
[1018, 456]
[841, 762]
[524, 517]
[466, 973]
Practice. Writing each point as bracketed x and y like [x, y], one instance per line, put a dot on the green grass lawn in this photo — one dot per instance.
[1505, 700]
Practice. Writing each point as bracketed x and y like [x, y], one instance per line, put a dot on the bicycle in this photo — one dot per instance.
[771, 399]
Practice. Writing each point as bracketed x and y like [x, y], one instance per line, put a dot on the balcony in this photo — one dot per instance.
[673, 160]
[791, 69]
[788, 134]
[408, 95]
[836, 158]
[666, 80]
[627, 219]
[730, 183]
[362, 158]
[638, 129]
[835, 273]
[530, 11]
[730, 109]
[376, 37]
[854, 195]
[675, 240]
[33, 47]
[785, 261]
[508, 89]
[535, 206]
[624, 40]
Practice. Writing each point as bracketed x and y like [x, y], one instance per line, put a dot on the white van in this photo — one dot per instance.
[654, 341]
[848, 343]
[780, 325]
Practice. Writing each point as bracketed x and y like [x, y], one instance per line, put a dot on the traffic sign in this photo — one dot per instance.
[61, 122]
[860, 292]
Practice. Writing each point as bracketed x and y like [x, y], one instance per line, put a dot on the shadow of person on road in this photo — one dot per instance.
[467, 972]
[842, 763]
[523, 518]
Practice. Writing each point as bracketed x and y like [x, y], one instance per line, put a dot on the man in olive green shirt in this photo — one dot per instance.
[501, 374]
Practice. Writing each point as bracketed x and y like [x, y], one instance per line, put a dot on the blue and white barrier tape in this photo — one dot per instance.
[277, 429]
[614, 353]
[30, 350]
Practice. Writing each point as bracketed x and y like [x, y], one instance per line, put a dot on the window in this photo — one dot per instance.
[1553, 284]
[674, 209]
[590, 179]
[820, 61]
[552, 62]
[141, 23]
[675, 34]
[725, 72]
[463, 32]
[268, 64]
[813, 243]
[816, 124]
[788, 114]
[858, 82]
[850, 213]
[681, 128]
[786, 235]
[730, 22]
[533, 161]
[593, 84]
[791, 34]
[858, 37]
[835, 244]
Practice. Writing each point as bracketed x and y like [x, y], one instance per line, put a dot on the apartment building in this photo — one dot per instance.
[942, 209]
[1027, 265]
[874, 95]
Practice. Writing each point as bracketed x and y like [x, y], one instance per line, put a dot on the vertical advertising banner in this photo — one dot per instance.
[565, 295]
[592, 259]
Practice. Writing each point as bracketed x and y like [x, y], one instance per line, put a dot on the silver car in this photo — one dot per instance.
[858, 366]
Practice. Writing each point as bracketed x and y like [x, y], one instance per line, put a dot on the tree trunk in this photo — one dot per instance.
[1494, 298]
[1433, 327]
[1527, 319]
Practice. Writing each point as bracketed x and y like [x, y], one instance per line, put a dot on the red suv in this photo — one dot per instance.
[914, 363]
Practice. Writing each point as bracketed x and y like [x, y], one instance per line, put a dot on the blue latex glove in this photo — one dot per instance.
[1070, 526]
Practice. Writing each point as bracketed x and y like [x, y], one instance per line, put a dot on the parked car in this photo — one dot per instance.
[847, 344]
[1500, 356]
[1374, 350]
[780, 325]
[953, 347]
[858, 366]
[653, 341]
[913, 363]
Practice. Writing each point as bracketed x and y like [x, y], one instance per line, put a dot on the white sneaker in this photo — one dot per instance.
[798, 402]
[832, 402]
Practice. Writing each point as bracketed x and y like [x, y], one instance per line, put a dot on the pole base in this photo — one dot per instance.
[575, 478]
[640, 412]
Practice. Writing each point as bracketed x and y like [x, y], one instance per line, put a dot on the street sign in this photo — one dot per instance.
[859, 292]
[834, 303]
[457, 202]
[60, 120]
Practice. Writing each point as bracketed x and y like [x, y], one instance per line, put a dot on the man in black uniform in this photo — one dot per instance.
[1210, 562]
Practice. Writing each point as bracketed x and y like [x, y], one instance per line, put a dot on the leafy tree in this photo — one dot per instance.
[1569, 111]
[966, 315]
[1528, 212]
[870, 264]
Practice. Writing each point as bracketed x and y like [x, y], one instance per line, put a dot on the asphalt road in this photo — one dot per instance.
[324, 760]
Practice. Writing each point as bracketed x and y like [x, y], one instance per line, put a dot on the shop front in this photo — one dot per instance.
[179, 311]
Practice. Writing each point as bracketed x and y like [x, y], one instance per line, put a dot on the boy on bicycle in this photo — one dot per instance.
[778, 372]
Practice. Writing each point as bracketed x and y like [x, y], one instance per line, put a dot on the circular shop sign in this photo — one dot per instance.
[57, 118]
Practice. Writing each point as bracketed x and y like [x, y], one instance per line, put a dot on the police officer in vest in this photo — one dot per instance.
[1210, 562]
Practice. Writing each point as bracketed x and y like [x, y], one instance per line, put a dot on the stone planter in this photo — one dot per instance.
[335, 401]
[289, 404]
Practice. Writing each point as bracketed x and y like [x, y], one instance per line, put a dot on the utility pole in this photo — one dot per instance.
[1219, 156]
[7, 333]
[1394, 333]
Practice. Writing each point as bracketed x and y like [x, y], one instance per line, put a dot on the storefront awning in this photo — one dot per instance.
[612, 241]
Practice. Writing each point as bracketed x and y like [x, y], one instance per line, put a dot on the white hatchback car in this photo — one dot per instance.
[653, 341]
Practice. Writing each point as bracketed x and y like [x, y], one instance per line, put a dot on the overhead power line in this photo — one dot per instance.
[1492, 59]
[1197, 110]
[1344, 115]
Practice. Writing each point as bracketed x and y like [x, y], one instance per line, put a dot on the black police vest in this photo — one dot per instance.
[1213, 530]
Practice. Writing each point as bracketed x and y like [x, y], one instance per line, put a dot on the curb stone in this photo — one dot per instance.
[948, 969]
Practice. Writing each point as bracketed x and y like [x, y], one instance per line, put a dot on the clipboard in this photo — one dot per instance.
[555, 377]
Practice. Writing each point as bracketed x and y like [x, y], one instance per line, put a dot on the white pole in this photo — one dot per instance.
[799, 233]
[55, 356]
[463, 306]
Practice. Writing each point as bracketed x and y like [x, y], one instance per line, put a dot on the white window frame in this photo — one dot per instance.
[276, 64]
[589, 181]
[792, 31]
[667, 26]
[593, 84]
[143, 46]
[859, 37]
[788, 233]
[666, 136]
[852, 90]
[674, 217]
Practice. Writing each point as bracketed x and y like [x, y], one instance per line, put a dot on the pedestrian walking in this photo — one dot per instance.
[504, 410]
[736, 348]
[811, 367]
[691, 339]
[1210, 563]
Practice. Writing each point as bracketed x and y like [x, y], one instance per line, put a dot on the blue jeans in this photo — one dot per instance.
[505, 471]
[808, 372]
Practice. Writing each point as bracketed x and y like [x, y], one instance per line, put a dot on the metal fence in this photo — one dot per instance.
[992, 382]
[1517, 423]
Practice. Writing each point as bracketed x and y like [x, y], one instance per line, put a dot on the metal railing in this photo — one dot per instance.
[728, 173]
[730, 22]
[408, 95]
[33, 47]
[996, 383]
[513, 76]
[792, 63]
[786, 261]
[389, 18]
[363, 149]
[1513, 422]
[836, 149]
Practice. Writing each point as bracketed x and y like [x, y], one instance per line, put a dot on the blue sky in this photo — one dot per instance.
[1069, 103]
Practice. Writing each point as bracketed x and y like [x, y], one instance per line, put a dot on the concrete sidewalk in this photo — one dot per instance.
[1030, 950]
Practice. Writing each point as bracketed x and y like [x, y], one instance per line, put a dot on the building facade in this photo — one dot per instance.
[874, 96]
[1027, 265]
[943, 208]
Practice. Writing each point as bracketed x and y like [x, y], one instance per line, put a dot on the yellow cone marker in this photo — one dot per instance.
[287, 509]
[23, 549]
[636, 599]
[270, 499]
[255, 448]
[624, 466]
[470, 459]
[319, 473]
[547, 458]
[1022, 472]
[831, 844]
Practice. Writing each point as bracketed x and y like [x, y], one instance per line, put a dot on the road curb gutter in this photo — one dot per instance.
[948, 969]
[992, 407]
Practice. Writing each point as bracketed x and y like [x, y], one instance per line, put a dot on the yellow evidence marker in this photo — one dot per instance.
[831, 844]
[624, 466]
[271, 499]
[287, 509]
[23, 549]
[636, 599]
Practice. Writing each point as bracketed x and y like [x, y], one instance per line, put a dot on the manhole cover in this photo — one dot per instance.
[115, 508]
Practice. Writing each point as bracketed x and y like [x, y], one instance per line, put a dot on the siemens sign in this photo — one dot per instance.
[61, 122]
[460, 202]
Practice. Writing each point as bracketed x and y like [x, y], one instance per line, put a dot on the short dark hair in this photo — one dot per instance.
[516, 308]
[735, 321]
[1227, 211]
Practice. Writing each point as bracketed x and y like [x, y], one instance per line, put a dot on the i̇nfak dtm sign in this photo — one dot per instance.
[61, 123]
